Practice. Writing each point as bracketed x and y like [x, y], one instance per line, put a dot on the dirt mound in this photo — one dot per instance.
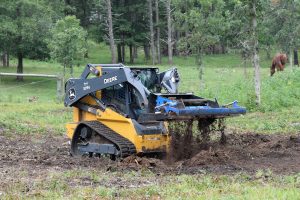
[250, 152]
[205, 157]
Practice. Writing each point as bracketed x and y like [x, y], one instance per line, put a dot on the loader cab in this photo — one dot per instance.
[148, 77]
[124, 99]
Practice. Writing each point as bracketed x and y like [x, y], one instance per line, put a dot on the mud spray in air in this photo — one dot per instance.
[190, 137]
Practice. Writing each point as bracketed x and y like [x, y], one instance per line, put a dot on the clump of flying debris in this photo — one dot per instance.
[191, 136]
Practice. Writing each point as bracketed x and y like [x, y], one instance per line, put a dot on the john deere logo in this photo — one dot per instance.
[111, 79]
[72, 94]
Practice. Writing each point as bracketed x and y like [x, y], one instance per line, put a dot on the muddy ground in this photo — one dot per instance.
[244, 152]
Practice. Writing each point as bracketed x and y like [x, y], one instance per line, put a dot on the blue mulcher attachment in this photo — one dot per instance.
[191, 106]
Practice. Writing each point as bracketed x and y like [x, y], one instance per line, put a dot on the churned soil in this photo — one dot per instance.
[243, 152]
[249, 152]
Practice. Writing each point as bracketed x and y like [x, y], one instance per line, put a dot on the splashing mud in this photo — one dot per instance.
[189, 137]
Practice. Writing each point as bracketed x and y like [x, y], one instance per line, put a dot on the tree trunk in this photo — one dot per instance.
[200, 67]
[119, 53]
[86, 54]
[67, 11]
[255, 56]
[135, 52]
[131, 54]
[187, 50]
[245, 67]
[18, 44]
[20, 66]
[123, 53]
[175, 37]
[146, 51]
[296, 61]
[157, 33]
[170, 44]
[71, 70]
[201, 73]
[5, 59]
[64, 72]
[291, 58]
[110, 32]
[268, 51]
[150, 15]
[257, 77]
[85, 21]
[223, 48]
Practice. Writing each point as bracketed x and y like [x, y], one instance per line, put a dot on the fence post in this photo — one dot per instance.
[60, 87]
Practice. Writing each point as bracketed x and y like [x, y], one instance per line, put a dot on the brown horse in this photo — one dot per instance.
[278, 62]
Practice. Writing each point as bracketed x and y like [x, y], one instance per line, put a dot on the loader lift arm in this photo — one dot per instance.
[78, 88]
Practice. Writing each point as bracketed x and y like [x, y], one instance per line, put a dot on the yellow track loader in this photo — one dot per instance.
[120, 110]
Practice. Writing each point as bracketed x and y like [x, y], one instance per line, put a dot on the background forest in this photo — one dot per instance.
[158, 27]
[65, 31]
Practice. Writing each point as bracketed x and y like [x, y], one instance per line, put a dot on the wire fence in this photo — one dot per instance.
[59, 82]
[23, 85]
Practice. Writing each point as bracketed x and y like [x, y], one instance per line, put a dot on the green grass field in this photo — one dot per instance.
[224, 79]
[147, 185]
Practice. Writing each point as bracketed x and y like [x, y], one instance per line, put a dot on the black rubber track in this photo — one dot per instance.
[125, 147]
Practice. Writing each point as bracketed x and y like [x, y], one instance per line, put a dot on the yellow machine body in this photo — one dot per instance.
[123, 126]
[149, 143]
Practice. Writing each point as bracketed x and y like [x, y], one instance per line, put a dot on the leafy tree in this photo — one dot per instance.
[82, 9]
[131, 26]
[204, 22]
[24, 26]
[7, 30]
[266, 34]
[67, 42]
